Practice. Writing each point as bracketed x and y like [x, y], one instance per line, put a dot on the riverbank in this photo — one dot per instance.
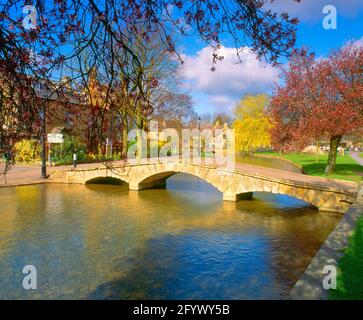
[342, 248]
[347, 169]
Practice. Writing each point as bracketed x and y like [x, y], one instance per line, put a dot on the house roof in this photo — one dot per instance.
[57, 130]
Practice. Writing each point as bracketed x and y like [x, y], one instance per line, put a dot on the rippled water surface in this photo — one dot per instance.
[106, 242]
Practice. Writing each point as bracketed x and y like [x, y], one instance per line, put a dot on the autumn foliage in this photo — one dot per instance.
[320, 99]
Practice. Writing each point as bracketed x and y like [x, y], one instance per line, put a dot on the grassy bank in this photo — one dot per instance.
[346, 168]
[350, 274]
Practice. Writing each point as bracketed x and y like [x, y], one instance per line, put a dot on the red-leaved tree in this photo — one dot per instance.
[320, 98]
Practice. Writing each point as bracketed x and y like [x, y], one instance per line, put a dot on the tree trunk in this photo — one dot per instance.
[317, 151]
[334, 144]
[125, 131]
[140, 125]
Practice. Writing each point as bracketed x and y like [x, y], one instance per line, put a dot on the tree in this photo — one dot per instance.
[62, 31]
[320, 98]
[177, 109]
[252, 125]
[221, 118]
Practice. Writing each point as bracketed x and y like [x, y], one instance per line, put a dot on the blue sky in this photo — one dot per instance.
[219, 91]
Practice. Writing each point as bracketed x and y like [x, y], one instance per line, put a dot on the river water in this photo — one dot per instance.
[184, 242]
[268, 162]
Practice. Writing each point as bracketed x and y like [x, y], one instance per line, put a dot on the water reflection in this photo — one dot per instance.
[105, 242]
[268, 162]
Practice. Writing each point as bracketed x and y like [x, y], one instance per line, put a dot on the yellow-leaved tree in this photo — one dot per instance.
[252, 125]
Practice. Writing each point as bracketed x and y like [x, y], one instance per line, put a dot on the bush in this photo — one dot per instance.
[63, 154]
[27, 151]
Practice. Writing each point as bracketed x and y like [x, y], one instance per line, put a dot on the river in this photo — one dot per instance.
[268, 162]
[184, 242]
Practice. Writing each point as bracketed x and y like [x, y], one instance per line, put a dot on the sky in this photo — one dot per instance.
[219, 91]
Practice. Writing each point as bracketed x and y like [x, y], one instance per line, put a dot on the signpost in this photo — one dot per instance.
[55, 138]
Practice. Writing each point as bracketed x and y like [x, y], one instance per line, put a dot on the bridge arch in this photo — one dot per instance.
[106, 180]
[249, 196]
[318, 197]
[159, 181]
[157, 177]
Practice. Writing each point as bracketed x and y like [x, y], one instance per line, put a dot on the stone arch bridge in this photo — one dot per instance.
[240, 183]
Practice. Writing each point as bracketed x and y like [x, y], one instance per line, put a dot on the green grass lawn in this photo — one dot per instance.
[361, 155]
[350, 273]
[346, 167]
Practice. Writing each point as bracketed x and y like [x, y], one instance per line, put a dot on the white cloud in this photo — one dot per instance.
[359, 42]
[222, 100]
[232, 79]
[311, 10]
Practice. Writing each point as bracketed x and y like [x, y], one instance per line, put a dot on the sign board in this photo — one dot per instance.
[55, 138]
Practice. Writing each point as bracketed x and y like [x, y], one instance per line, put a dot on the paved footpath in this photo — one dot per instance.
[356, 157]
[20, 175]
[297, 178]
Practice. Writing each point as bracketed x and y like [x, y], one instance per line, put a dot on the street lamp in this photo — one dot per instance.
[43, 139]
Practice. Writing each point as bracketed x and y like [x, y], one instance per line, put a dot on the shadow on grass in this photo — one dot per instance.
[350, 278]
